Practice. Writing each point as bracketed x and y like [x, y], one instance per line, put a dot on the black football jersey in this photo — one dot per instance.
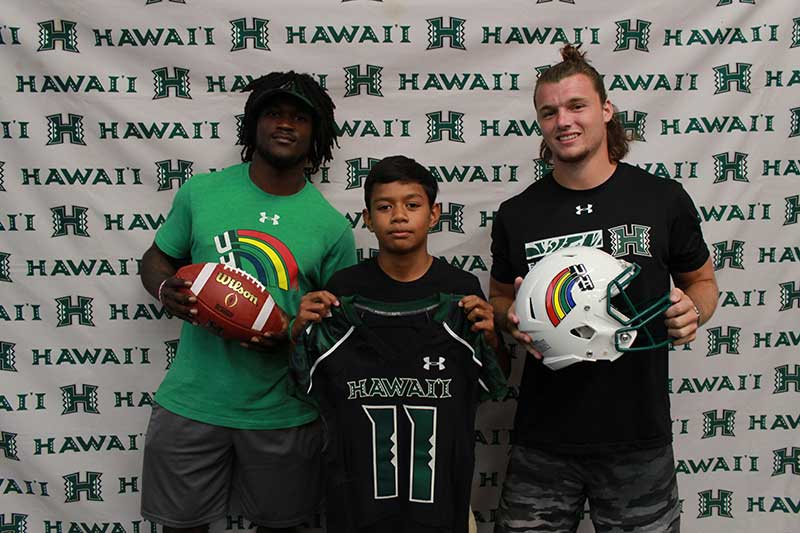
[398, 386]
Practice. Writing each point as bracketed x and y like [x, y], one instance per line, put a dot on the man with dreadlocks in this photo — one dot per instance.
[596, 430]
[224, 432]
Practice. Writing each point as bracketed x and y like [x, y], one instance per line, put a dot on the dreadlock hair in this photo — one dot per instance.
[574, 62]
[324, 129]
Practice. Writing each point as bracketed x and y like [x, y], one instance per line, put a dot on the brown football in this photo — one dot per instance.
[231, 302]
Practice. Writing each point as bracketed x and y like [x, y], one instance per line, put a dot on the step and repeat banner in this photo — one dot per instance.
[107, 108]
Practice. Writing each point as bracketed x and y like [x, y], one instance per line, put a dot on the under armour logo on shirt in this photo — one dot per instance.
[439, 363]
[274, 218]
[581, 210]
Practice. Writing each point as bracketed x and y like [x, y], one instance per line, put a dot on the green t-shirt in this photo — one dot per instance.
[292, 244]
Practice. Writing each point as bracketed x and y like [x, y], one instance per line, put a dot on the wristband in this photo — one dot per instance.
[160, 288]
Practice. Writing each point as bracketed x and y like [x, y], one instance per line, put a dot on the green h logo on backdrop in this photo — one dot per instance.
[453, 217]
[18, 524]
[355, 80]
[72, 399]
[784, 378]
[732, 255]
[626, 34]
[163, 82]
[8, 359]
[790, 296]
[66, 35]
[454, 126]
[57, 129]
[77, 221]
[783, 459]
[438, 32]
[166, 173]
[257, 34]
[723, 78]
[91, 487]
[713, 423]
[794, 129]
[5, 267]
[722, 503]
[634, 127]
[8, 444]
[716, 340]
[357, 173]
[725, 168]
[792, 209]
[67, 311]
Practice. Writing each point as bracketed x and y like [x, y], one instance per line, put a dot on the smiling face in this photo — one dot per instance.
[400, 215]
[283, 132]
[573, 119]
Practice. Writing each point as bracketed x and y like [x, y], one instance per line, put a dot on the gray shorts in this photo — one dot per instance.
[632, 491]
[196, 473]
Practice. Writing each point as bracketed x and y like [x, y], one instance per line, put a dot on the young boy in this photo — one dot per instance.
[397, 360]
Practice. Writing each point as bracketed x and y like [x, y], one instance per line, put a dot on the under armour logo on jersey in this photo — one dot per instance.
[581, 210]
[439, 363]
[274, 218]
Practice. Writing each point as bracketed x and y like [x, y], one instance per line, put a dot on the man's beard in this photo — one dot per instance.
[278, 162]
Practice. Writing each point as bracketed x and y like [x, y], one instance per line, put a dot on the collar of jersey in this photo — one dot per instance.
[350, 305]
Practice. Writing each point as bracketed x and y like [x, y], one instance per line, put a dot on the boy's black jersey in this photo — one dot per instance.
[397, 385]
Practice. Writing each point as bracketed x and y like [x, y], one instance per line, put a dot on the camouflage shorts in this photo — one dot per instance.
[627, 492]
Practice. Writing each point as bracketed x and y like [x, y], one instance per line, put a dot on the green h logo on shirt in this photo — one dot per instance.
[631, 239]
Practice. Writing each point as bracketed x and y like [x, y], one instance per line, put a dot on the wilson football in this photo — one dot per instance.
[231, 302]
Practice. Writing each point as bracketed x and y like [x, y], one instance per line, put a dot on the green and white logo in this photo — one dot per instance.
[730, 340]
[783, 459]
[355, 80]
[794, 129]
[2, 175]
[438, 32]
[67, 311]
[57, 129]
[72, 399]
[454, 126]
[5, 267]
[453, 217]
[257, 34]
[723, 78]
[541, 168]
[713, 423]
[633, 126]
[166, 173]
[725, 168]
[730, 253]
[626, 33]
[8, 359]
[790, 295]
[630, 239]
[784, 377]
[49, 35]
[357, 172]
[722, 503]
[792, 210]
[76, 220]
[163, 82]
[796, 33]
[18, 524]
[8, 443]
[91, 487]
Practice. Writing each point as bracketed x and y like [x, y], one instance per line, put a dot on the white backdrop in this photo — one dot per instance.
[107, 107]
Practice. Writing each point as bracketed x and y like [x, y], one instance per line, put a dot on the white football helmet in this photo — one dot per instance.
[565, 306]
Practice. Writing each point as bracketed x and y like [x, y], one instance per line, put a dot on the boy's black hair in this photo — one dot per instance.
[400, 168]
[303, 87]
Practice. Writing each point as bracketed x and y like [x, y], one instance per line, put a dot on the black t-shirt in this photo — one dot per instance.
[368, 280]
[600, 407]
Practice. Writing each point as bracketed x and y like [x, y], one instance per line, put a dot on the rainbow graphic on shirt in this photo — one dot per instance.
[259, 254]
[558, 299]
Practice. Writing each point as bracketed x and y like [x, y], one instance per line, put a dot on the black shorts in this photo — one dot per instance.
[195, 473]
